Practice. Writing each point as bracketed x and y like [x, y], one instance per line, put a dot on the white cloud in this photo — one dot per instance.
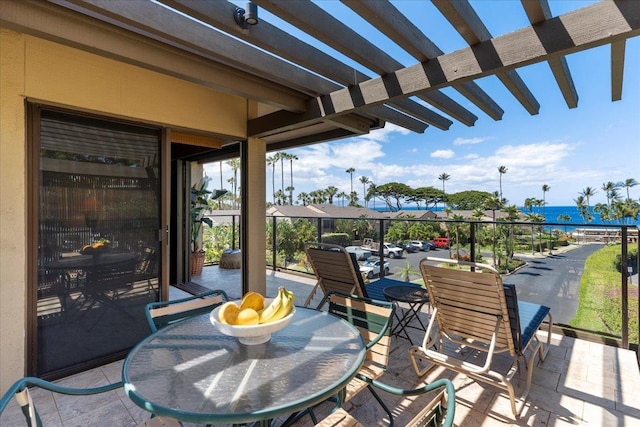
[466, 141]
[442, 154]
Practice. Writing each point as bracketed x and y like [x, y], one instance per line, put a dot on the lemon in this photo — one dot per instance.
[252, 300]
[228, 313]
[248, 316]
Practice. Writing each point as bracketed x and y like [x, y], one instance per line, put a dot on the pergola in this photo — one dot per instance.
[305, 95]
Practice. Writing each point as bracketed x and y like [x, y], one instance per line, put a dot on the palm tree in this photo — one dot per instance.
[221, 185]
[235, 165]
[588, 192]
[608, 188]
[331, 191]
[290, 189]
[502, 170]
[628, 183]
[291, 158]
[272, 160]
[545, 188]
[282, 156]
[443, 177]
[364, 180]
[342, 195]
[564, 218]
[304, 198]
[371, 193]
[350, 171]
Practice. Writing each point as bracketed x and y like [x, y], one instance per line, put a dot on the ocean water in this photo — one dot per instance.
[551, 214]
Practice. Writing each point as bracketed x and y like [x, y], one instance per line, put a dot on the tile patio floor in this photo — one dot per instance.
[581, 383]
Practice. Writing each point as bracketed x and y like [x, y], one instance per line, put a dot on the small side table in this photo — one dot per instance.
[416, 297]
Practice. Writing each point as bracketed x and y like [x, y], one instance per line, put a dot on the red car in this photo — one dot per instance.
[442, 242]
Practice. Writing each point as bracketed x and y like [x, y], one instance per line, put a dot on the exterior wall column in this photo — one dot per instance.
[254, 207]
[13, 203]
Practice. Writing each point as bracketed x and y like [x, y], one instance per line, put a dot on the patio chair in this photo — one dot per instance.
[373, 319]
[163, 313]
[473, 308]
[338, 270]
[20, 390]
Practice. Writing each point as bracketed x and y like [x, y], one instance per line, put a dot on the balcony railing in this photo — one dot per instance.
[606, 303]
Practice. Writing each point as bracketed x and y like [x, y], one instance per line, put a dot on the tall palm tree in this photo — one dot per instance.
[371, 193]
[342, 196]
[501, 170]
[282, 155]
[443, 177]
[608, 188]
[350, 171]
[628, 183]
[235, 165]
[272, 160]
[545, 188]
[291, 158]
[588, 192]
[364, 180]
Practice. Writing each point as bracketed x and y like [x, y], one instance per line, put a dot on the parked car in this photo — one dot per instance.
[392, 251]
[388, 249]
[408, 247]
[420, 245]
[442, 242]
[371, 268]
[430, 244]
[361, 253]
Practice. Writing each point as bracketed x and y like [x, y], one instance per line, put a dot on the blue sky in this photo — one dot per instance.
[567, 149]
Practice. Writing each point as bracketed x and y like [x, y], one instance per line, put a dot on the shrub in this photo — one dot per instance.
[342, 239]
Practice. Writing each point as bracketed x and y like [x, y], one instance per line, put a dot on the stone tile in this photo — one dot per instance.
[595, 393]
[628, 403]
[114, 412]
[600, 416]
[567, 407]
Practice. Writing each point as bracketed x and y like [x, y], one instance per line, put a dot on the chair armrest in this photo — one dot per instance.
[443, 382]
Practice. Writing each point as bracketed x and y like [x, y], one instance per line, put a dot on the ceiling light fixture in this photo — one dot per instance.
[246, 17]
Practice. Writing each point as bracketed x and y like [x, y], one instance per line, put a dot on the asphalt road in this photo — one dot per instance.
[553, 280]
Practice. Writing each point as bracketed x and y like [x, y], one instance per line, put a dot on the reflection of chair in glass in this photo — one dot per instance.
[373, 318]
[338, 270]
[474, 309]
[161, 314]
[31, 415]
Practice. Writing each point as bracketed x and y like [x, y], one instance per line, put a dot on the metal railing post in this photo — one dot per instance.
[381, 247]
[274, 244]
[624, 274]
[319, 230]
[472, 238]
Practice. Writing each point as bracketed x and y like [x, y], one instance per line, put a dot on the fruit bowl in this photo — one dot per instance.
[250, 334]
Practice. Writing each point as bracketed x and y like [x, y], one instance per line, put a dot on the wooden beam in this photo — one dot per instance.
[163, 24]
[596, 25]
[190, 138]
[464, 19]
[273, 39]
[538, 11]
[314, 21]
[399, 28]
[617, 69]
[70, 28]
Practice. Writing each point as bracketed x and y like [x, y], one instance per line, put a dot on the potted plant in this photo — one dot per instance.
[200, 197]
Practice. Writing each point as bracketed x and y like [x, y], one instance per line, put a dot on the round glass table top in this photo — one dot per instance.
[192, 372]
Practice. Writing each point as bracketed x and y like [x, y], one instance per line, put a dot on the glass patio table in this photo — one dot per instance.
[192, 372]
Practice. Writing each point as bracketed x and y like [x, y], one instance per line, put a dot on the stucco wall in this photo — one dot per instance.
[50, 73]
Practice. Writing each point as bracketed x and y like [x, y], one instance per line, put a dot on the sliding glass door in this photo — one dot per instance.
[98, 222]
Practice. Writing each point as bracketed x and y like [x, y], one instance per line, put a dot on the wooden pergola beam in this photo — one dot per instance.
[273, 39]
[464, 19]
[538, 11]
[314, 21]
[617, 69]
[395, 25]
[596, 25]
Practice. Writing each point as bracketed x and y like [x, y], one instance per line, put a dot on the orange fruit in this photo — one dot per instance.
[228, 313]
[252, 300]
[248, 316]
